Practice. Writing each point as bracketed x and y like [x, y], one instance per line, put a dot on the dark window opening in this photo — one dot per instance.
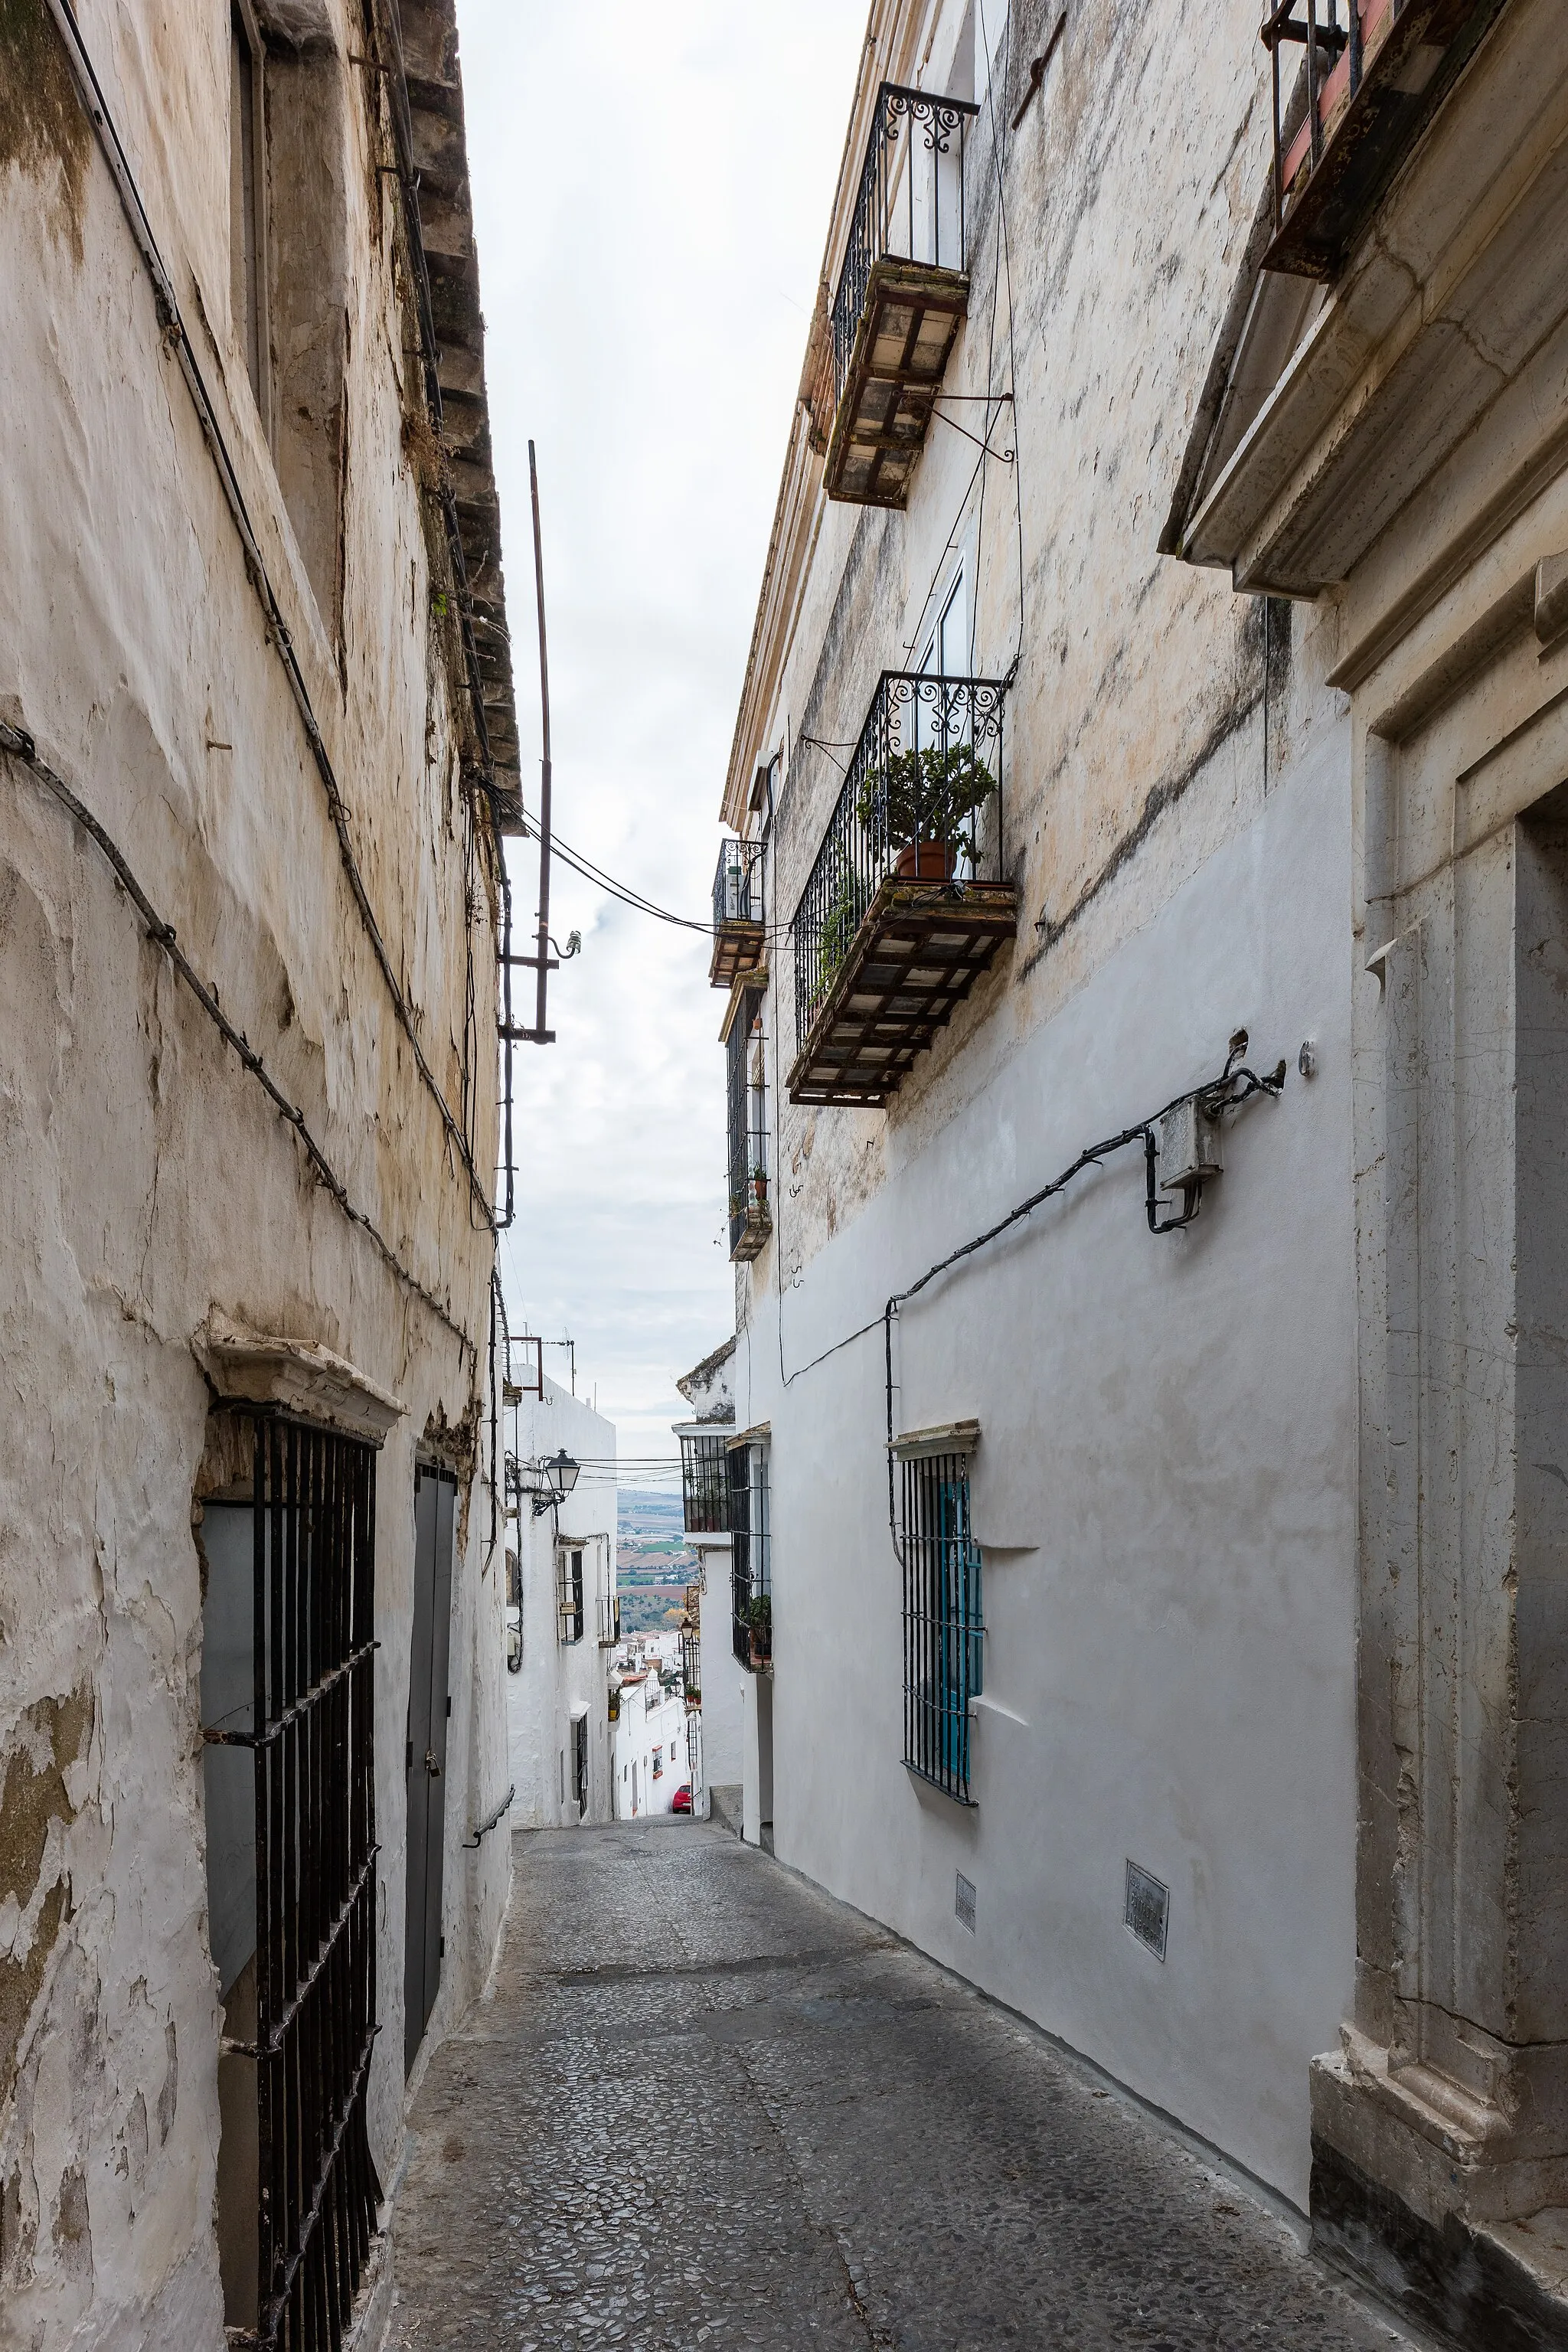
[705, 1482]
[580, 1764]
[288, 1637]
[569, 1593]
[750, 1563]
[943, 1626]
[750, 1219]
[429, 1712]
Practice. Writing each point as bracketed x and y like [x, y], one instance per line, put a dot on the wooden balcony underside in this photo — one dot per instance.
[917, 953]
[737, 949]
[912, 317]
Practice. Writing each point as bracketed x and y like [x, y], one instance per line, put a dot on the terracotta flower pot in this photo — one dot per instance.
[926, 861]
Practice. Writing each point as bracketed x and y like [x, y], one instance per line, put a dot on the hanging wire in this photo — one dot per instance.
[21, 748]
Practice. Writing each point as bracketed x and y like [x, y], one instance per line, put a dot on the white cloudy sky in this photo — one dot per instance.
[651, 188]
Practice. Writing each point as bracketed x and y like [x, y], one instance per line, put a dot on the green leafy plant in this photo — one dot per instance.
[759, 1625]
[845, 913]
[924, 795]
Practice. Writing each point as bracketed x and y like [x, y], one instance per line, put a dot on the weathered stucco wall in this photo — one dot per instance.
[1164, 1486]
[145, 1180]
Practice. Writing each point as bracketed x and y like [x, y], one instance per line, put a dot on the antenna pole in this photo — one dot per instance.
[542, 1035]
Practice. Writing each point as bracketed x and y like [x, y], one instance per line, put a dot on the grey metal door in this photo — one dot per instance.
[429, 1708]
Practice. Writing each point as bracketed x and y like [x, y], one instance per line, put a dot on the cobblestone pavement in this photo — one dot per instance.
[706, 2105]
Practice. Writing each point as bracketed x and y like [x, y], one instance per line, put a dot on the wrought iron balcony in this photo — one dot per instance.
[705, 1482]
[738, 934]
[905, 906]
[1375, 71]
[902, 294]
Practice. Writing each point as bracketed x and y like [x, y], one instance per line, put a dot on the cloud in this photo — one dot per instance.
[651, 190]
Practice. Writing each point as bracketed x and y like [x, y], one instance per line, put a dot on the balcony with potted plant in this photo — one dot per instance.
[905, 906]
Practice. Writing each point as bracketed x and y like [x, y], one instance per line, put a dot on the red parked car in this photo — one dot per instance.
[682, 1799]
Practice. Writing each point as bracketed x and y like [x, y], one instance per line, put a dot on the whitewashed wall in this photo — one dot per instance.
[145, 1180]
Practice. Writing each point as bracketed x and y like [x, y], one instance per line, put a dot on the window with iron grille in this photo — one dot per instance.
[288, 1626]
[943, 1626]
[580, 1764]
[569, 1593]
[750, 1219]
[704, 1482]
[750, 1565]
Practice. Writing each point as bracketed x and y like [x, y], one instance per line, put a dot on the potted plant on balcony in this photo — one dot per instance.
[918, 805]
[760, 1630]
[759, 1190]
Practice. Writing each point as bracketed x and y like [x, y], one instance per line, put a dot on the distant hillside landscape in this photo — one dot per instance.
[654, 1564]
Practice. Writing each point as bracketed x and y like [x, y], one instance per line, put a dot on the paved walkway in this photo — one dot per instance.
[709, 2107]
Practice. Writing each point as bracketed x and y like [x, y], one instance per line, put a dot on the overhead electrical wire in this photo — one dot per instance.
[21, 748]
[176, 337]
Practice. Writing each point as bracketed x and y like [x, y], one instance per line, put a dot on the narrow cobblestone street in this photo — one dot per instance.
[709, 2106]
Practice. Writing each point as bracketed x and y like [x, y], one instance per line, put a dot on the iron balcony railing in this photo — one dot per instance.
[705, 1482]
[1314, 26]
[738, 884]
[910, 202]
[921, 803]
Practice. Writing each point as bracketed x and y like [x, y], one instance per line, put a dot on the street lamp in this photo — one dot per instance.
[560, 1475]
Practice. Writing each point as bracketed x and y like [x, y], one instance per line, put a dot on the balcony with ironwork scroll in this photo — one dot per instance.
[738, 932]
[1374, 74]
[902, 296]
[905, 906]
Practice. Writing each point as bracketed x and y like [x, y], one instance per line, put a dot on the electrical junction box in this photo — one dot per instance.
[1190, 1147]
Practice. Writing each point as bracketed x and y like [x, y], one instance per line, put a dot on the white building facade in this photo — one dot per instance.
[562, 1617]
[653, 1746]
[1142, 1146]
[720, 1678]
[254, 774]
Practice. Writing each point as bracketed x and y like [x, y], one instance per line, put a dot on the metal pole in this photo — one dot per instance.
[544, 762]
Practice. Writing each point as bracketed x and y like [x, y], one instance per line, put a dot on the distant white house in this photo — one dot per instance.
[649, 1743]
[562, 1615]
[718, 1474]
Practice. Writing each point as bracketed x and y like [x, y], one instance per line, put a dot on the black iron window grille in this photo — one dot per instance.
[738, 884]
[751, 1556]
[705, 1482]
[580, 1764]
[569, 1593]
[289, 1723]
[691, 1662]
[921, 803]
[751, 1218]
[911, 204]
[944, 1632]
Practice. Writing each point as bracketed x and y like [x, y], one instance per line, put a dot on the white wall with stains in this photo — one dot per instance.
[146, 1183]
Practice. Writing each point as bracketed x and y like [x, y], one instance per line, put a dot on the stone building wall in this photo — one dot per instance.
[152, 1195]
